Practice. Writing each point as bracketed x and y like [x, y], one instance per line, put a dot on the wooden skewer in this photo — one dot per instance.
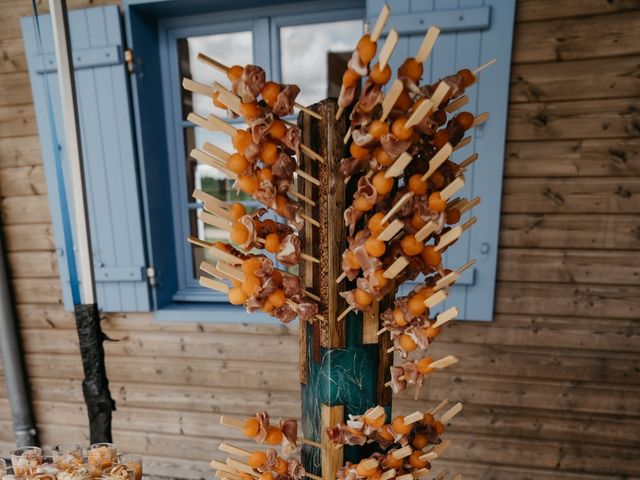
[466, 163]
[452, 188]
[403, 452]
[344, 313]
[223, 467]
[437, 160]
[445, 317]
[427, 44]
[441, 91]
[429, 456]
[388, 474]
[480, 119]
[387, 48]
[419, 113]
[441, 447]
[390, 231]
[370, 463]
[483, 66]
[383, 16]
[449, 237]
[469, 205]
[456, 104]
[436, 299]
[452, 412]
[406, 476]
[438, 407]
[413, 418]
[342, 276]
[375, 413]
[391, 98]
[396, 267]
[226, 475]
[421, 472]
[462, 143]
[213, 284]
[444, 362]
[224, 69]
[200, 243]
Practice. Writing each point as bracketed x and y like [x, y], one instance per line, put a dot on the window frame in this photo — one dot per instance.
[265, 24]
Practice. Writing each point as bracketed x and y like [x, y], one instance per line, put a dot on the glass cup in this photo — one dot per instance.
[67, 454]
[118, 472]
[47, 467]
[133, 462]
[78, 472]
[101, 456]
[3, 468]
[25, 460]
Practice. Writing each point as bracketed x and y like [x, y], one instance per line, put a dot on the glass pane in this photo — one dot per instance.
[305, 62]
[228, 48]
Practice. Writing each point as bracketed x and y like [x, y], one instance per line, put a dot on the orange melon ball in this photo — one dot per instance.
[412, 69]
[256, 459]
[251, 285]
[468, 78]
[374, 247]
[440, 138]
[277, 298]
[362, 298]
[264, 174]
[392, 462]
[382, 158]
[378, 128]
[375, 223]
[350, 78]
[404, 101]
[278, 129]
[380, 278]
[407, 343]
[266, 476]
[281, 203]
[399, 130]
[465, 119]
[245, 476]
[351, 260]
[248, 184]
[270, 93]
[416, 185]
[250, 265]
[236, 296]
[431, 331]
[281, 466]
[375, 422]
[236, 283]
[398, 317]
[269, 153]
[437, 203]
[416, 304]
[399, 426]
[424, 365]
[362, 204]
[249, 110]
[417, 221]
[359, 152]
[410, 246]
[378, 76]
[251, 427]
[274, 436]
[241, 140]
[366, 49]
[430, 256]
[437, 179]
[267, 306]
[382, 184]
[428, 419]
[272, 243]
[452, 216]
[415, 461]
[237, 210]
[235, 72]
[237, 163]
[363, 471]
[239, 233]
[439, 427]
[420, 441]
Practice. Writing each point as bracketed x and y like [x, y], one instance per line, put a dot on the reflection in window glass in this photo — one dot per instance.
[304, 62]
[228, 48]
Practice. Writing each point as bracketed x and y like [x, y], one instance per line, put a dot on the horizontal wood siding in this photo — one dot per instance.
[551, 387]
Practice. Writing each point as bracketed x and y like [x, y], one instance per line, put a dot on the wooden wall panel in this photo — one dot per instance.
[551, 386]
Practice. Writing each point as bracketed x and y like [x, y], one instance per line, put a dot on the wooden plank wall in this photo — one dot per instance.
[551, 387]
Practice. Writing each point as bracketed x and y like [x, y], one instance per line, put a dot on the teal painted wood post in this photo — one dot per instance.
[339, 361]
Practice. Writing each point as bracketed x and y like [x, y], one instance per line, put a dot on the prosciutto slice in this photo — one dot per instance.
[251, 83]
[285, 100]
[289, 253]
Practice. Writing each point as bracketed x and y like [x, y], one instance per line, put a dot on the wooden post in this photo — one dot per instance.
[343, 364]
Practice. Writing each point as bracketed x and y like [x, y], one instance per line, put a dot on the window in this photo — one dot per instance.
[289, 58]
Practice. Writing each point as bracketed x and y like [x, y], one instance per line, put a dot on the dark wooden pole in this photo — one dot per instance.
[343, 365]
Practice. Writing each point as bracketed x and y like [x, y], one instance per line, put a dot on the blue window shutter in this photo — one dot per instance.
[108, 150]
[472, 32]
